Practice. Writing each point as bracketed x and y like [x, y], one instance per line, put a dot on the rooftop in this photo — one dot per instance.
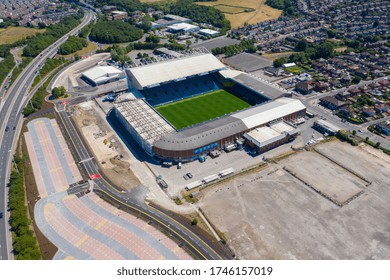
[148, 124]
[212, 131]
[101, 72]
[173, 70]
[263, 87]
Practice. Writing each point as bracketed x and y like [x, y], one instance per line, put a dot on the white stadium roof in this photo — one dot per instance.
[171, 70]
[268, 112]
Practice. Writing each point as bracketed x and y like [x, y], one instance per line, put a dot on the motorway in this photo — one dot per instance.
[11, 122]
[16, 99]
[200, 246]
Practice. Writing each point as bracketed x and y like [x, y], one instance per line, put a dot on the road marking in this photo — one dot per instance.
[81, 241]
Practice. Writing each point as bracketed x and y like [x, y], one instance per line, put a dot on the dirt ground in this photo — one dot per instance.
[336, 183]
[113, 157]
[269, 214]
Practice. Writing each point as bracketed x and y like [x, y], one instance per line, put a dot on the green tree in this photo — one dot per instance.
[324, 50]
[280, 61]
[110, 32]
[194, 222]
[58, 92]
[301, 45]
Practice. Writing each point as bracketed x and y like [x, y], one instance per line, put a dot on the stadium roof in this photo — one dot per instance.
[101, 72]
[265, 88]
[144, 120]
[171, 70]
[212, 131]
[270, 111]
[200, 135]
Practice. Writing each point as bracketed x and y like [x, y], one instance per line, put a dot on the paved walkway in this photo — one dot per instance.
[87, 227]
[51, 160]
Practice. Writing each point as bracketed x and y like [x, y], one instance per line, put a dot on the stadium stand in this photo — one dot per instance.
[176, 91]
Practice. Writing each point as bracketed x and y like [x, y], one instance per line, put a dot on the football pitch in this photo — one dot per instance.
[201, 108]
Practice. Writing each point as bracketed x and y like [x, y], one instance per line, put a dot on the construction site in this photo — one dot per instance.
[112, 155]
[326, 202]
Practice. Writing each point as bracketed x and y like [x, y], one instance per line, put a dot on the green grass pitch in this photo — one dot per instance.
[201, 108]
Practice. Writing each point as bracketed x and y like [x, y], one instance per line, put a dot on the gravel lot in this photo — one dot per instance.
[269, 214]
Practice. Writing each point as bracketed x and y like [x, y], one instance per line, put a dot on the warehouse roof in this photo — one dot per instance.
[182, 26]
[175, 69]
[329, 126]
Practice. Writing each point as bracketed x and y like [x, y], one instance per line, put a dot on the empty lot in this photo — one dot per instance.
[272, 215]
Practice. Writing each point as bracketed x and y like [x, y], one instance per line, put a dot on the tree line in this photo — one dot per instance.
[287, 6]
[35, 45]
[24, 242]
[306, 52]
[245, 45]
[184, 8]
[73, 44]
[110, 32]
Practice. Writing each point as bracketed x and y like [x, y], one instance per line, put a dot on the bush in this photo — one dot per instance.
[194, 222]
[58, 92]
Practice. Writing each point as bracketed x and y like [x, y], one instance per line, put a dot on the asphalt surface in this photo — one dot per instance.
[11, 116]
[199, 246]
[312, 103]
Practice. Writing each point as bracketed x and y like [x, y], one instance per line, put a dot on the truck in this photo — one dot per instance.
[161, 182]
[166, 164]
[230, 147]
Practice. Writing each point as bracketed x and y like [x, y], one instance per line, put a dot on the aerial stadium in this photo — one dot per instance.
[183, 108]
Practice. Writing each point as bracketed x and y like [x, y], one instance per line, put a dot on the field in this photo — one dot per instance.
[201, 108]
[12, 34]
[273, 56]
[261, 11]
[231, 9]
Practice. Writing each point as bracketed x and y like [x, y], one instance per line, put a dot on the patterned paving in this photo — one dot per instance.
[86, 227]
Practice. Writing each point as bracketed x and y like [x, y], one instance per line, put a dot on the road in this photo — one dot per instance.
[195, 242]
[312, 104]
[11, 116]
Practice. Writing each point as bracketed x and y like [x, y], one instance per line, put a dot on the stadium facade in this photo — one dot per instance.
[100, 75]
[269, 121]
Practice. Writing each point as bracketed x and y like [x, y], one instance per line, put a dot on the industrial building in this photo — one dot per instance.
[265, 125]
[102, 75]
[326, 127]
[208, 32]
[169, 20]
[182, 27]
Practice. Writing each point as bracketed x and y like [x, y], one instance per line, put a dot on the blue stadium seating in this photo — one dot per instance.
[194, 86]
[176, 91]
